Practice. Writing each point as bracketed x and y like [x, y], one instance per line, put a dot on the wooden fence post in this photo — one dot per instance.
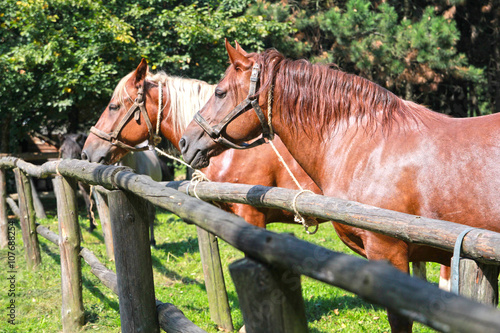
[101, 200]
[72, 310]
[134, 270]
[220, 312]
[37, 203]
[478, 281]
[4, 237]
[218, 303]
[27, 220]
[270, 298]
[419, 269]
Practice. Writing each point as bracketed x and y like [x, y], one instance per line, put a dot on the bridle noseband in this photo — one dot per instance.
[248, 103]
[135, 110]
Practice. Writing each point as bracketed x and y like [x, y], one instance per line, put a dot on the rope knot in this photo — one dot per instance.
[307, 221]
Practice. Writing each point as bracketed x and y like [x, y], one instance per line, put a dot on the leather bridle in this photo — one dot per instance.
[248, 103]
[134, 111]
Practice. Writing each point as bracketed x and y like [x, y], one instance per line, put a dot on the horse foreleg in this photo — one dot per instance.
[251, 214]
[444, 278]
[380, 247]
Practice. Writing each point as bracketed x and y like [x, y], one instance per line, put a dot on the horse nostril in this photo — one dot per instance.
[84, 156]
[182, 144]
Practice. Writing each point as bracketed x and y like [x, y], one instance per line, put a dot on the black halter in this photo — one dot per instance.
[135, 110]
[248, 103]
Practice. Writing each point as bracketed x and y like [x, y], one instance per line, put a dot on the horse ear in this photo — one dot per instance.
[237, 58]
[141, 72]
[240, 49]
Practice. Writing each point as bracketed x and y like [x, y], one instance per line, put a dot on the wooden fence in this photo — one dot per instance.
[280, 259]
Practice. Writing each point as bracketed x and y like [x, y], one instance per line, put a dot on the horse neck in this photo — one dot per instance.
[308, 150]
[170, 133]
[196, 97]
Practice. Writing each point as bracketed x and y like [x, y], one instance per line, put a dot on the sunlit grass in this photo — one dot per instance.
[179, 280]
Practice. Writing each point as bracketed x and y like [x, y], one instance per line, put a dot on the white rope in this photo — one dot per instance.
[197, 177]
[158, 150]
[57, 166]
[282, 160]
[160, 110]
[307, 222]
[91, 208]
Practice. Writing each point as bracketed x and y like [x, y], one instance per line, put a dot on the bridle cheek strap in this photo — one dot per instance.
[135, 110]
[251, 102]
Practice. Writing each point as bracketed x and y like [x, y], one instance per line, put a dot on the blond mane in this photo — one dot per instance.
[186, 96]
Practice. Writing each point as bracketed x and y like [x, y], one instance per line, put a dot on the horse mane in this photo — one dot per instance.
[186, 96]
[320, 97]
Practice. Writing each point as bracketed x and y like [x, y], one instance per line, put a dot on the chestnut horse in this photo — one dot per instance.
[359, 142]
[181, 99]
[142, 162]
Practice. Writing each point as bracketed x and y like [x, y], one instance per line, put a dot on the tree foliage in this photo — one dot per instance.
[61, 59]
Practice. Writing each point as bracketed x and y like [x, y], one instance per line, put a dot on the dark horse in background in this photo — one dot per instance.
[360, 142]
[142, 162]
[181, 99]
[71, 148]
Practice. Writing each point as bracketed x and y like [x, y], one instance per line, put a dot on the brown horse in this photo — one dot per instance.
[182, 98]
[71, 145]
[360, 142]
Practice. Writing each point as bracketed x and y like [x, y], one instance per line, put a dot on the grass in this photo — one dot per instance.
[178, 279]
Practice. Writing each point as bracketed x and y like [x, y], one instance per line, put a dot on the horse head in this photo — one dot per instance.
[126, 121]
[224, 122]
[71, 145]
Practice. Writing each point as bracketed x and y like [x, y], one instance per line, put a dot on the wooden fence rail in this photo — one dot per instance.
[378, 282]
[480, 244]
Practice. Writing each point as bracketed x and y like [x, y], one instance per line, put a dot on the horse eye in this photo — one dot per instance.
[113, 107]
[219, 93]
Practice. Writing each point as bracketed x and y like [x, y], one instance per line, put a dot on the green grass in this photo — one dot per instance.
[178, 279]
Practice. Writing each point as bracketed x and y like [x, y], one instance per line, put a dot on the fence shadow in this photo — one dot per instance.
[317, 307]
[94, 290]
[178, 248]
[56, 256]
[157, 263]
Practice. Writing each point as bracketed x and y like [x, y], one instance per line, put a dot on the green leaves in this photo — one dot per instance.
[62, 47]
[61, 59]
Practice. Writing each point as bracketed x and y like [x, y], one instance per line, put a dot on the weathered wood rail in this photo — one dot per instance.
[480, 244]
[377, 282]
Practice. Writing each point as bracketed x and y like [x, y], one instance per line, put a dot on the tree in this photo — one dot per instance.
[412, 52]
[54, 57]
[60, 60]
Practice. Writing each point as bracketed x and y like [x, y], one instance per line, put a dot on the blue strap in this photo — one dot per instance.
[455, 261]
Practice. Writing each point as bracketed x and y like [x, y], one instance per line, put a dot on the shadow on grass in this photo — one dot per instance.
[318, 307]
[173, 275]
[179, 248]
[50, 253]
[91, 316]
[95, 234]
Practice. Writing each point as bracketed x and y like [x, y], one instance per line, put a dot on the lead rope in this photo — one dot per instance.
[307, 221]
[159, 113]
[91, 208]
[197, 177]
